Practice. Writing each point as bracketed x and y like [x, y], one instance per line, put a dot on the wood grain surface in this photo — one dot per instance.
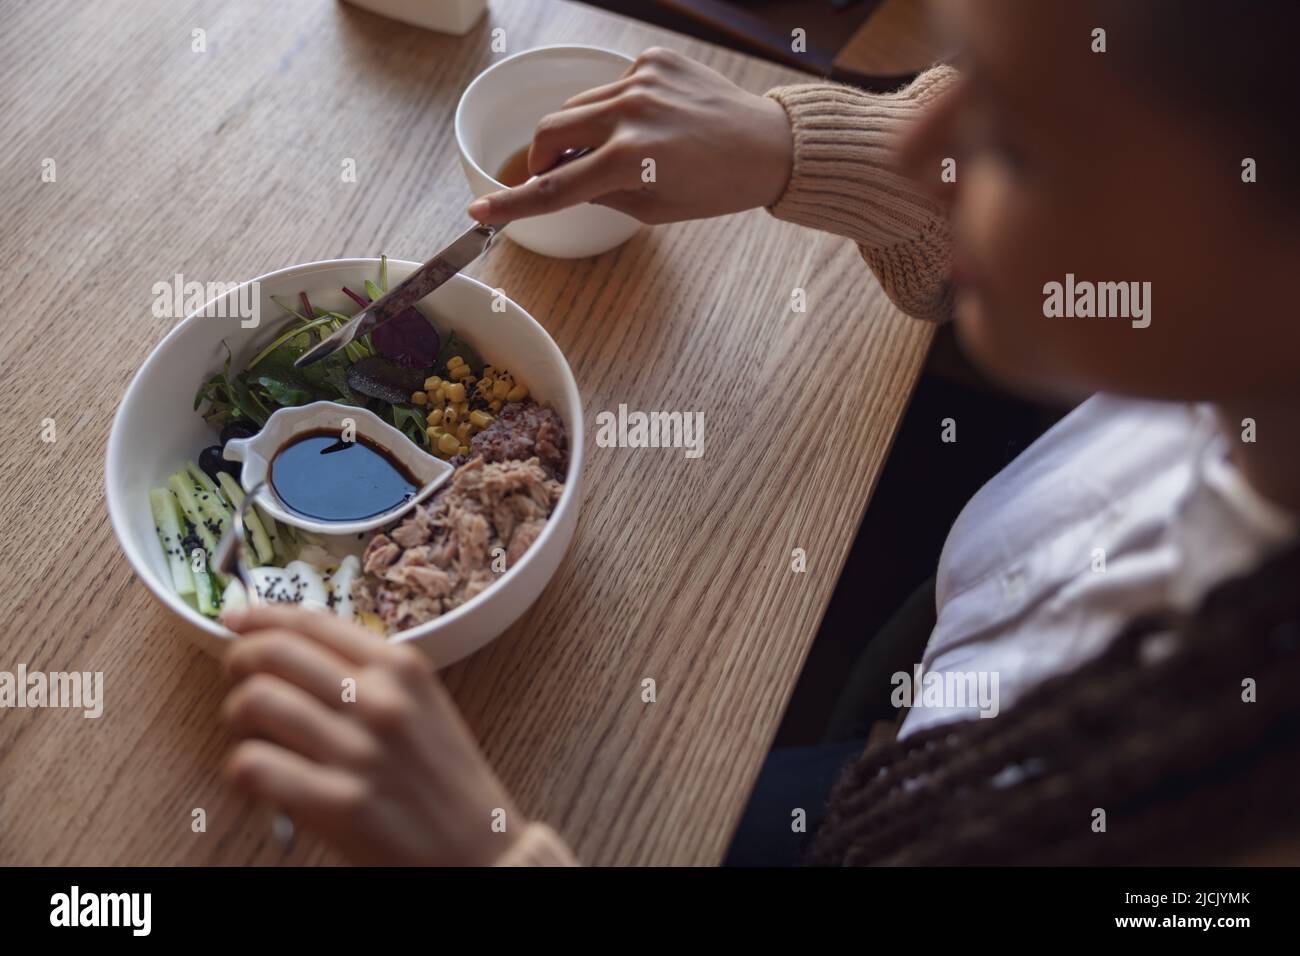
[898, 41]
[224, 165]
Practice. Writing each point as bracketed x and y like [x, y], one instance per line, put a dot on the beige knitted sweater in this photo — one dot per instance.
[843, 181]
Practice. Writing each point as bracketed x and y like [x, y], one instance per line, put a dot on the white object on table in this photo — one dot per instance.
[279, 431]
[496, 117]
[456, 17]
[157, 428]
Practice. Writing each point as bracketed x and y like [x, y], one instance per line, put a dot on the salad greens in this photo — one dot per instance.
[379, 371]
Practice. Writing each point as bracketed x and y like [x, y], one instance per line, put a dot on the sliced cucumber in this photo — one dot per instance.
[166, 518]
[289, 546]
[207, 512]
[256, 530]
[209, 498]
[205, 593]
[200, 477]
[183, 487]
[272, 532]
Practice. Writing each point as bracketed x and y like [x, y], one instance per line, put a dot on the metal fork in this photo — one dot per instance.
[230, 559]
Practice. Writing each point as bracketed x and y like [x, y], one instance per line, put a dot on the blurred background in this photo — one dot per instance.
[870, 43]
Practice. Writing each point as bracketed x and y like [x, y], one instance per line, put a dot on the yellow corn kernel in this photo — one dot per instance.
[433, 431]
[462, 432]
[517, 394]
[501, 388]
[449, 416]
[447, 444]
[419, 398]
[495, 405]
[462, 409]
[464, 449]
[489, 370]
[480, 419]
[455, 362]
[461, 372]
[432, 382]
[454, 393]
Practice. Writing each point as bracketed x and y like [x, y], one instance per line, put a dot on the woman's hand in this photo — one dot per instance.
[356, 739]
[716, 149]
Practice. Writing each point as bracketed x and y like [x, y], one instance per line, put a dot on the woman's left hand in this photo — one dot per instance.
[356, 739]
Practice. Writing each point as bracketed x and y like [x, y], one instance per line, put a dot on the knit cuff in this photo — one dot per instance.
[538, 845]
[845, 180]
[845, 177]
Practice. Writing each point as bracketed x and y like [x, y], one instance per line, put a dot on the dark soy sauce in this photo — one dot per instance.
[320, 476]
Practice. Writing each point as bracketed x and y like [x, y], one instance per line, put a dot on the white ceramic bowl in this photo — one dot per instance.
[456, 17]
[257, 452]
[496, 117]
[156, 431]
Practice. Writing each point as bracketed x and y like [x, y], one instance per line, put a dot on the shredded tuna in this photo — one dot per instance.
[441, 555]
[380, 553]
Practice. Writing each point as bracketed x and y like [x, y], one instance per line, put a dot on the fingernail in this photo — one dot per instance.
[479, 208]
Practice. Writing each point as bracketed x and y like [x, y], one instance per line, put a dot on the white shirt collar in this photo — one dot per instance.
[1224, 527]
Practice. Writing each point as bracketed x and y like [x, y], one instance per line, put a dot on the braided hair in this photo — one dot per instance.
[1157, 732]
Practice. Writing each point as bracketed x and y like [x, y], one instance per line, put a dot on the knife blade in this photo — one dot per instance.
[464, 250]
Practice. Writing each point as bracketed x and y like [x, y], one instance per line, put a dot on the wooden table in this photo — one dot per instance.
[897, 41]
[225, 164]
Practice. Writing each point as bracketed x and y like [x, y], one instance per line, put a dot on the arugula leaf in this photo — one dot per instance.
[329, 379]
[248, 405]
[283, 389]
[411, 421]
[457, 346]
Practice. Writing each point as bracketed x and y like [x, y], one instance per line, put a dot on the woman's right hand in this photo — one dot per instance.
[387, 772]
[716, 149]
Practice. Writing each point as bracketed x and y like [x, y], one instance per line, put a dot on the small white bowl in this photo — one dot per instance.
[156, 430]
[496, 117]
[456, 17]
[256, 454]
